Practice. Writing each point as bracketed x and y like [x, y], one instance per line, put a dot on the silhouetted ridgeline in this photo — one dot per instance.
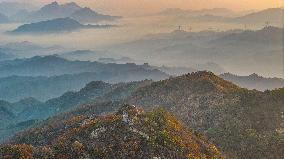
[243, 51]
[254, 81]
[54, 26]
[55, 10]
[53, 65]
[48, 77]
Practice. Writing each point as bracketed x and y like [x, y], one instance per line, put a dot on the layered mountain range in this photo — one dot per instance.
[58, 25]
[56, 75]
[46, 77]
[254, 81]
[237, 51]
[235, 119]
[27, 49]
[273, 16]
[55, 10]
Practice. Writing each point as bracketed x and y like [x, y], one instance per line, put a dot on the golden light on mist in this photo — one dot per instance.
[130, 7]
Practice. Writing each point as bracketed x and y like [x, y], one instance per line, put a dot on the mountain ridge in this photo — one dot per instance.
[271, 15]
[87, 15]
[53, 65]
[227, 114]
[153, 135]
[55, 10]
[232, 50]
[219, 109]
[59, 25]
[254, 81]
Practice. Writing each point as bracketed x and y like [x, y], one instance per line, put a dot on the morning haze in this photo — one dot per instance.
[148, 79]
[130, 7]
[165, 17]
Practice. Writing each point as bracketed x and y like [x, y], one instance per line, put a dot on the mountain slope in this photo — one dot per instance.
[21, 105]
[86, 15]
[271, 36]
[254, 81]
[30, 111]
[6, 116]
[237, 120]
[48, 77]
[54, 26]
[93, 92]
[81, 55]
[243, 123]
[54, 65]
[239, 51]
[129, 133]
[54, 11]
[45, 88]
[72, 10]
[196, 13]
[272, 15]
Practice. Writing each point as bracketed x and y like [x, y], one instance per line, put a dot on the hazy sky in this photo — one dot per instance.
[131, 7]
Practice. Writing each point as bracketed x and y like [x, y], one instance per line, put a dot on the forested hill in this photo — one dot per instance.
[236, 119]
[128, 133]
[242, 123]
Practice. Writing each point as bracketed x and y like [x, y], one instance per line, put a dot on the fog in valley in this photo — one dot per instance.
[173, 37]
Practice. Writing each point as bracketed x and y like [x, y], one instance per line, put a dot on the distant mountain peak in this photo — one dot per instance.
[54, 25]
[254, 81]
[52, 11]
[87, 10]
[57, 25]
[95, 85]
[272, 15]
[205, 11]
[204, 81]
[87, 15]
[49, 58]
[72, 4]
[53, 4]
[254, 75]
